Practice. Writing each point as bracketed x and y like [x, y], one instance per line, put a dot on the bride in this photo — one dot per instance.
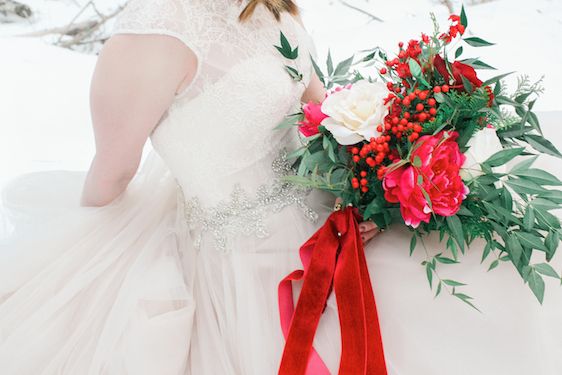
[174, 269]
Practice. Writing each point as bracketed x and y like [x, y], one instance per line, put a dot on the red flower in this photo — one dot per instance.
[403, 70]
[434, 172]
[459, 70]
[313, 117]
[455, 29]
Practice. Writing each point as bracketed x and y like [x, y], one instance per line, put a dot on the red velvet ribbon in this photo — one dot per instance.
[333, 258]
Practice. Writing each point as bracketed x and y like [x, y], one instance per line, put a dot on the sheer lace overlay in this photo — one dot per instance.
[218, 136]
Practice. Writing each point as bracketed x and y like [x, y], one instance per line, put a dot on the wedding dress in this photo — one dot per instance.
[179, 275]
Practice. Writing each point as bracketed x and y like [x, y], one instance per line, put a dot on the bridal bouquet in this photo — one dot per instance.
[427, 143]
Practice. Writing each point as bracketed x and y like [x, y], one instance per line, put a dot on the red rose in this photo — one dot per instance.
[459, 70]
[437, 175]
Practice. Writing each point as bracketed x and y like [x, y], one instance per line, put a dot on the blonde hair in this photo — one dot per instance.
[275, 6]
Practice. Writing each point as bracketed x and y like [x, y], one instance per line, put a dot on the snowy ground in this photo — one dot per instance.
[44, 114]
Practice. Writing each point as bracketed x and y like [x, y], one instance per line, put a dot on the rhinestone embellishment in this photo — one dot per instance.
[242, 214]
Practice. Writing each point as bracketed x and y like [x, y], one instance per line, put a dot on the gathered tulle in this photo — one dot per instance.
[93, 290]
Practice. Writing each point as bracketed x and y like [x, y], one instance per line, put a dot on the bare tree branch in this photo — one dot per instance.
[449, 5]
[10, 8]
[80, 32]
[362, 11]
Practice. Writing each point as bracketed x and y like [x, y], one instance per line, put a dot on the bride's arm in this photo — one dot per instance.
[134, 83]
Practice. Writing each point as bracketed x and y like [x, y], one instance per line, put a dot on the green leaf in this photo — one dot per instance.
[343, 67]
[547, 219]
[525, 186]
[539, 176]
[503, 156]
[452, 282]
[413, 243]
[544, 204]
[477, 64]
[515, 249]
[416, 71]
[439, 287]
[531, 241]
[289, 121]
[458, 52]
[524, 165]
[295, 74]
[542, 145]
[552, 241]
[536, 283]
[505, 100]
[494, 264]
[486, 252]
[445, 260]
[429, 274]
[495, 79]
[466, 299]
[529, 218]
[546, 270]
[464, 19]
[330, 64]
[477, 42]
[318, 71]
[455, 226]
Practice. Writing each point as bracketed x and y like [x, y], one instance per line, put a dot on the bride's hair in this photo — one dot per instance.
[275, 6]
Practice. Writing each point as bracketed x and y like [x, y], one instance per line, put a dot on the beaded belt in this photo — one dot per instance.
[242, 214]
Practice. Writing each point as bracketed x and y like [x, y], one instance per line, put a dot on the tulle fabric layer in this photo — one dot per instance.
[93, 290]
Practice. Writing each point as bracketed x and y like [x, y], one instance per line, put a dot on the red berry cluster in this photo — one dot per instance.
[455, 29]
[373, 154]
[409, 111]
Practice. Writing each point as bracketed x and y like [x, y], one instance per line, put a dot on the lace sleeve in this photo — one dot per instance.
[177, 18]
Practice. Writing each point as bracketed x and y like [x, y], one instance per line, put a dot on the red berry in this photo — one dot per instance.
[383, 70]
[407, 115]
[387, 126]
[419, 107]
[418, 128]
[406, 101]
[356, 158]
[432, 102]
[423, 95]
[432, 111]
[364, 189]
[379, 128]
[445, 88]
[437, 89]
[403, 121]
[363, 173]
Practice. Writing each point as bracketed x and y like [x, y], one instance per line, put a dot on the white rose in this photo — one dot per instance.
[482, 145]
[356, 112]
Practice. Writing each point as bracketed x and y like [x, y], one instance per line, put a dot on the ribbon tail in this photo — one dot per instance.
[319, 258]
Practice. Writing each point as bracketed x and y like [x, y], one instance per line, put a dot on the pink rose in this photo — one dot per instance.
[440, 160]
[313, 117]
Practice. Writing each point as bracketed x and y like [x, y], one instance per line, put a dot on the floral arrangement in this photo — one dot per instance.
[427, 143]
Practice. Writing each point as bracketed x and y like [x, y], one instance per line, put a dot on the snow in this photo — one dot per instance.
[44, 110]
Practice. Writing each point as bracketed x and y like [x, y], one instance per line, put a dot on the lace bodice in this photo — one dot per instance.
[218, 136]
